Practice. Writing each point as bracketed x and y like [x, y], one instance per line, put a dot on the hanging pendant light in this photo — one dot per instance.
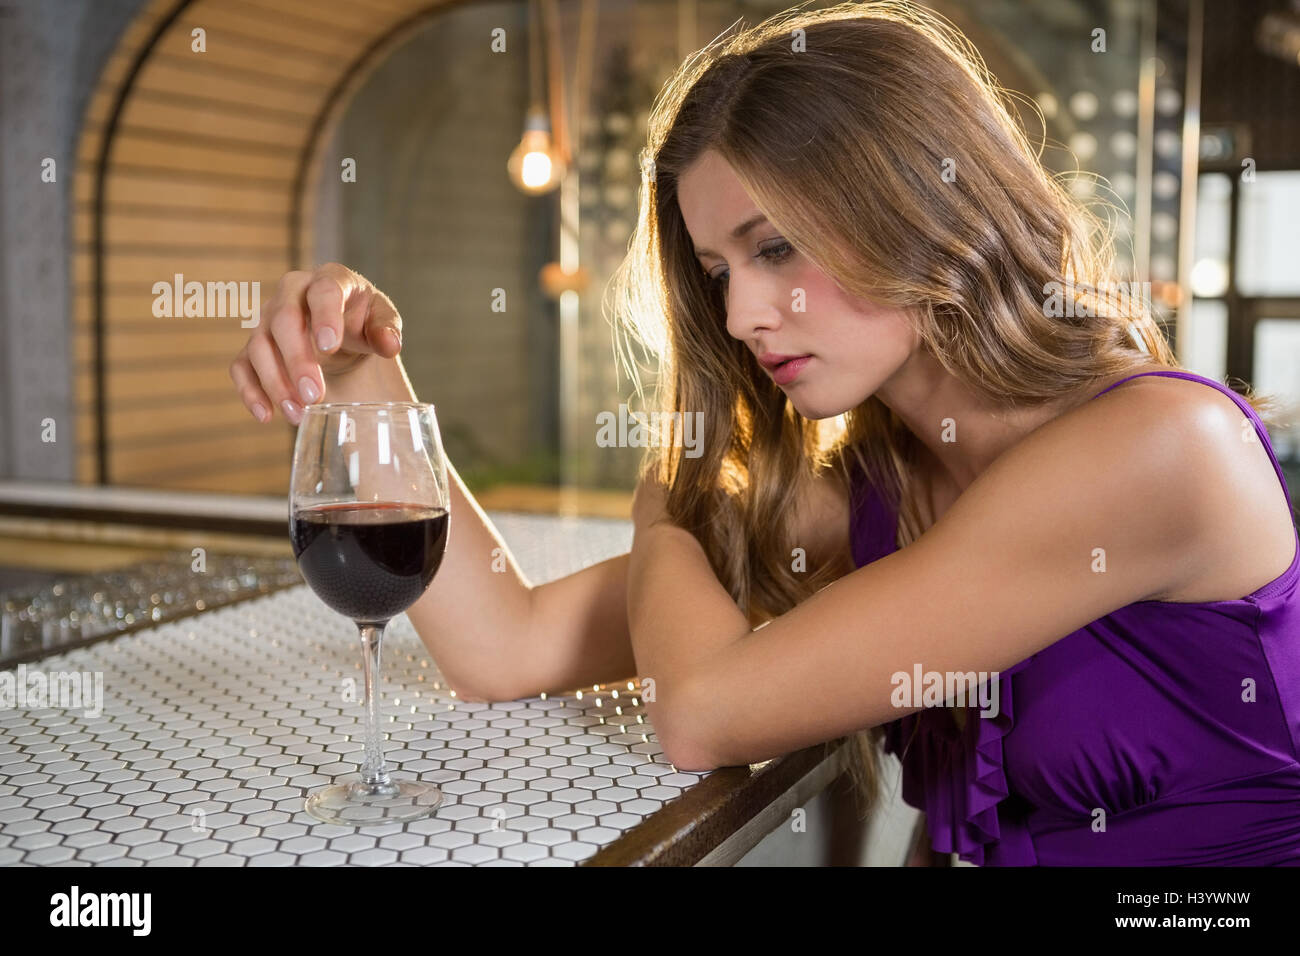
[536, 165]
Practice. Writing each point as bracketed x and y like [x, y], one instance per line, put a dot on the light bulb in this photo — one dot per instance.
[1209, 278]
[535, 166]
[536, 170]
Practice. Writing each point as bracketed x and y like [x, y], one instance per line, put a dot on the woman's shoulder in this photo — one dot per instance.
[1177, 388]
[1183, 416]
[1225, 469]
[1156, 402]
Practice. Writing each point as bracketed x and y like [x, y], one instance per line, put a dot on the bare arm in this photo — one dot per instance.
[496, 636]
[513, 639]
[577, 627]
[492, 633]
[1013, 548]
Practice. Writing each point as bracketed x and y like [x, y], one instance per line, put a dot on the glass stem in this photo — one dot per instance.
[373, 771]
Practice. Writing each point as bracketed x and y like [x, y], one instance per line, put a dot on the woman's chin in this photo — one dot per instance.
[815, 409]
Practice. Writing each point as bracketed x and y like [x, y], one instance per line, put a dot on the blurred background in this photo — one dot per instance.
[235, 140]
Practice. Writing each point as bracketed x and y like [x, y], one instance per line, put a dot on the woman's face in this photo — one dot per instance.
[781, 305]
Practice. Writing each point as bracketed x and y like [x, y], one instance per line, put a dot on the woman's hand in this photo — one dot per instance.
[318, 329]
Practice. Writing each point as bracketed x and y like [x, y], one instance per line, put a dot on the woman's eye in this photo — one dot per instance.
[777, 253]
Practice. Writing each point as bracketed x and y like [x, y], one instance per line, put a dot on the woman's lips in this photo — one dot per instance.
[788, 371]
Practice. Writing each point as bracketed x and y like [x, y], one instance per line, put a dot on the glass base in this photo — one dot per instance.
[354, 803]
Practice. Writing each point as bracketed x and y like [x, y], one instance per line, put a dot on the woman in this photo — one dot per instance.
[895, 324]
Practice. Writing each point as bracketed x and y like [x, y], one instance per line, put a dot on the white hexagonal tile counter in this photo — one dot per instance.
[214, 728]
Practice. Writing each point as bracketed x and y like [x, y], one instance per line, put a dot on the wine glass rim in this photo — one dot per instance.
[333, 405]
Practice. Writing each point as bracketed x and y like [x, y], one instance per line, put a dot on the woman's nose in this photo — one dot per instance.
[750, 311]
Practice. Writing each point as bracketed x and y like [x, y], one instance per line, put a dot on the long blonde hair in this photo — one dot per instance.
[840, 123]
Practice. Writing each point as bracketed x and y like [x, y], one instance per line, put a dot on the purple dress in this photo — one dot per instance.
[1141, 714]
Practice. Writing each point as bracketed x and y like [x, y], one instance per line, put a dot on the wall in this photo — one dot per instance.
[52, 52]
[434, 221]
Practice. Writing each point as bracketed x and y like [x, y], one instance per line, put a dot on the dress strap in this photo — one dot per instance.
[1244, 405]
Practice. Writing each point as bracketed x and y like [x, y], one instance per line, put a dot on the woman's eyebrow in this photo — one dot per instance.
[737, 233]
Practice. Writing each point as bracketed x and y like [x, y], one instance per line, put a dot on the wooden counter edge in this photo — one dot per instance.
[685, 831]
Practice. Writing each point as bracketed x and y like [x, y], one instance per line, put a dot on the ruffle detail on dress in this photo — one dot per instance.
[956, 777]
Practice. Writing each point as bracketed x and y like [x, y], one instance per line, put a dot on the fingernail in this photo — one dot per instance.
[397, 337]
[307, 389]
[260, 412]
[291, 411]
[325, 338]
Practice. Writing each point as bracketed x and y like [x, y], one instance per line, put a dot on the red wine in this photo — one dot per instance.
[369, 561]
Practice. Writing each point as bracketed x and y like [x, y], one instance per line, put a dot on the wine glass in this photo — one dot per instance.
[368, 517]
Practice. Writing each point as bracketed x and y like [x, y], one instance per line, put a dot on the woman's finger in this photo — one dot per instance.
[383, 326]
[326, 297]
[254, 399]
[272, 377]
[288, 329]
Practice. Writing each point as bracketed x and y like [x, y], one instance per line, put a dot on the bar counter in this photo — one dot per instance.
[214, 726]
